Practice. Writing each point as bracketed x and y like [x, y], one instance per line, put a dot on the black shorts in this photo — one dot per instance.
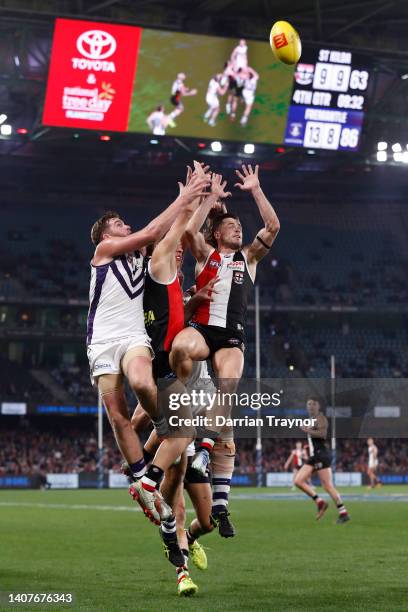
[320, 461]
[161, 366]
[218, 338]
[175, 100]
[193, 477]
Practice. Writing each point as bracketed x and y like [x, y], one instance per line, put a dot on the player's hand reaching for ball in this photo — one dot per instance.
[195, 186]
[218, 187]
[249, 178]
[199, 168]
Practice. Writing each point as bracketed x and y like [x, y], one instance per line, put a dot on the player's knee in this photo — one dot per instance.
[140, 384]
[298, 481]
[179, 352]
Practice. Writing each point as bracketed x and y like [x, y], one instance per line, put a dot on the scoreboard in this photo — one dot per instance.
[328, 100]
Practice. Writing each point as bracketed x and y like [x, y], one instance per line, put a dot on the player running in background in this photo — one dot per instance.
[296, 459]
[178, 91]
[320, 462]
[117, 343]
[214, 90]
[372, 464]
[217, 328]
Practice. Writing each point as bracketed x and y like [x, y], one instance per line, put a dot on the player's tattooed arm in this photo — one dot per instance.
[266, 236]
[320, 428]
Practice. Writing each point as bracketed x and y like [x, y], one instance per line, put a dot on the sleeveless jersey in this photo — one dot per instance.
[297, 458]
[241, 60]
[229, 305]
[372, 459]
[163, 311]
[250, 84]
[176, 87]
[316, 446]
[212, 88]
[116, 299]
[156, 121]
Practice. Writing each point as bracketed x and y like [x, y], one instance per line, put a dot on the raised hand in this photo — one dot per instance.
[207, 292]
[218, 187]
[195, 187]
[249, 178]
[199, 168]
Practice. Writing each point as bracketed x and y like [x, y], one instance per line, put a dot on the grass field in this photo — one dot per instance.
[95, 545]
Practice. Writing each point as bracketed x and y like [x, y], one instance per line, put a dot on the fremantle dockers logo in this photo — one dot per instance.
[96, 44]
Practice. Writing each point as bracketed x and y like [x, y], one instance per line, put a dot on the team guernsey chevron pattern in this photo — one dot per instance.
[116, 299]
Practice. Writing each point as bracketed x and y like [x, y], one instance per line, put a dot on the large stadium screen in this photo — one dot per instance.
[125, 78]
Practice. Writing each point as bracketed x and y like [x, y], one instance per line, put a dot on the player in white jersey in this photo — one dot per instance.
[158, 121]
[117, 343]
[217, 328]
[178, 91]
[248, 93]
[214, 90]
[372, 464]
[239, 56]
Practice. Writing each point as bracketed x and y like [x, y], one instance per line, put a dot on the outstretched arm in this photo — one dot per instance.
[194, 238]
[112, 247]
[266, 236]
[163, 264]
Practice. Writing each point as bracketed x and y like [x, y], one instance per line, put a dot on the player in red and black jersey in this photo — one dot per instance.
[164, 318]
[217, 328]
[319, 462]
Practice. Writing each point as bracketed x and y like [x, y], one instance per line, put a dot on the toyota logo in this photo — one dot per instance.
[96, 44]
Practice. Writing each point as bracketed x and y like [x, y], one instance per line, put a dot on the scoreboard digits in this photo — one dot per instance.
[325, 84]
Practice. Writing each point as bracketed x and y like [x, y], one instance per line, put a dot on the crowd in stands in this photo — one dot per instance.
[28, 450]
[352, 455]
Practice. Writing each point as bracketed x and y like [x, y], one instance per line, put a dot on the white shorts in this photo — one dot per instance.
[106, 357]
[248, 96]
[212, 101]
[372, 465]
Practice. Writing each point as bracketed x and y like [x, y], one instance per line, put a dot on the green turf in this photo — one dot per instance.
[282, 559]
